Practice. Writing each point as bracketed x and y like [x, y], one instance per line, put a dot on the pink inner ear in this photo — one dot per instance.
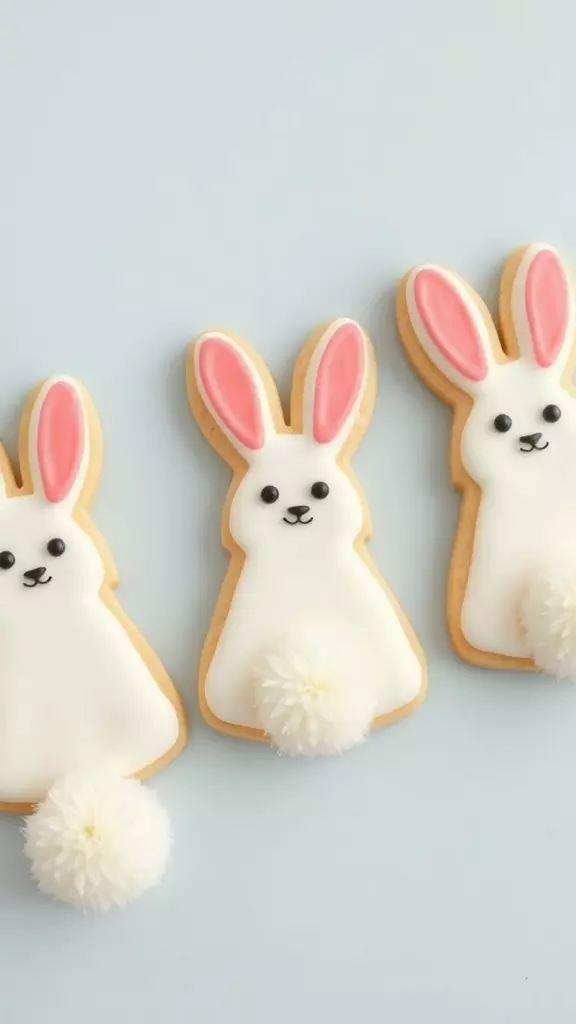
[232, 391]
[338, 382]
[547, 306]
[449, 324]
[60, 440]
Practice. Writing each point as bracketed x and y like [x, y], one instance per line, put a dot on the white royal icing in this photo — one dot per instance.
[74, 691]
[528, 503]
[305, 586]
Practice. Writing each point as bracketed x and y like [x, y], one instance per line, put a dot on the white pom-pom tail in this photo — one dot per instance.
[549, 618]
[310, 703]
[98, 841]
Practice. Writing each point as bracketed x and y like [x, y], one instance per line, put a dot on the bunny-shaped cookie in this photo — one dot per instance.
[514, 440]
[307, 645]
[79, 688]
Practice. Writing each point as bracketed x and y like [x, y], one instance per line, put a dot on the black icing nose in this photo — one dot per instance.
[35, 574]
[298, 510]
[530, 438]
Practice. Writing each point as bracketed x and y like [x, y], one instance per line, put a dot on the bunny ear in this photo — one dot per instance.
[543, 307]
[449, 326]
[335, 383]
[58, 442]
[232, 390]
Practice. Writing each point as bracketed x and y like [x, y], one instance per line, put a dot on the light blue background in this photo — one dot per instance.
[169, 166]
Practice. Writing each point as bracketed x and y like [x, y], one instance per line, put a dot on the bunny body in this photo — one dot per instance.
[518, 439]
[302, 586]
[75, 691]
[526, 514]
[305, 582]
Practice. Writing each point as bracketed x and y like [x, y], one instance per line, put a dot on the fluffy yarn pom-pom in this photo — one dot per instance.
[308, 704]
[549, 619]
[98, 841]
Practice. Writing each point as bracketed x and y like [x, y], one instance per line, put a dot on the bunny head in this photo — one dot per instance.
[46, 558]
[295, 496]
[521, 427]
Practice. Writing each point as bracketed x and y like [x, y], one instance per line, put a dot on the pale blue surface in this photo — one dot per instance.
[168, 166]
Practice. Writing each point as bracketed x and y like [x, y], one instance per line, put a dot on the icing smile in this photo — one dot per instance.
[33, 577]
[536, 448]
[531, 440]
[298, 511]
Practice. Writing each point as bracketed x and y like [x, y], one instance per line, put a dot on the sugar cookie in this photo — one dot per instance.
[80, 690]
[307, 646]
[513, 447]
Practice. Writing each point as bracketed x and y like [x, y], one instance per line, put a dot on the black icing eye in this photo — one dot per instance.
[6, 559]
[269, 494]
[551, 413]
[56, 547]
[502, 422]
[320, 489]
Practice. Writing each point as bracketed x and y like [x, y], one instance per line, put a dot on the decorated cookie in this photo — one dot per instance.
[307, 647]
[84, 699]
[511, 598]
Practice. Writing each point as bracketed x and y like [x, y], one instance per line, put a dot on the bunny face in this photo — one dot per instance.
[46, 558]
[521, 429]
[294, 496]
[44, 554]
